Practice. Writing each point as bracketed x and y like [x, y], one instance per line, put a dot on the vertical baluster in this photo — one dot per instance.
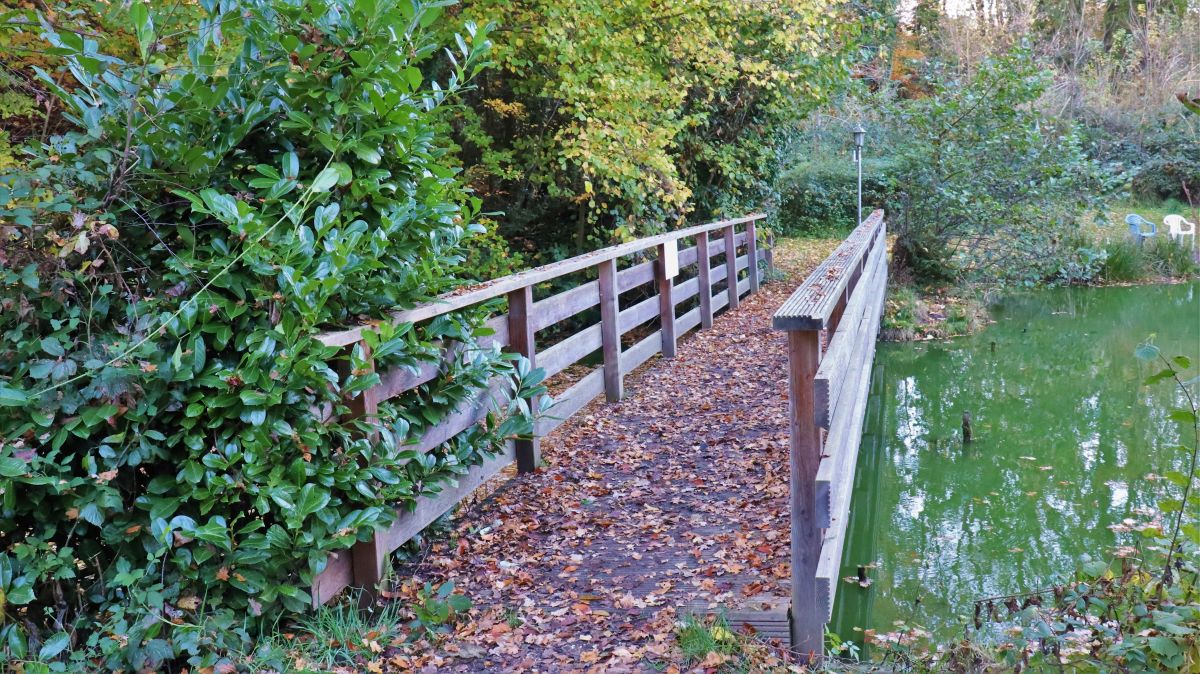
[731, 275]
[704, 264]
[771, 254]
[521, 340]
[808, 619]
[610, 331]
[752, 255]
[368, 558]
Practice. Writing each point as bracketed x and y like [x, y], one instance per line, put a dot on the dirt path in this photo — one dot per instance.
[678, 494]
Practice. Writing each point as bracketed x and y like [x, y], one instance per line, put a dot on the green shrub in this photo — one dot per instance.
[988, 187]
[820, 197]
[1171, 258]
[1124, 261]
[167, 476]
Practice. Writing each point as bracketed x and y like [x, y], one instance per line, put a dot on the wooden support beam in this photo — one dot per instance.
[808, 622]
[665, 269]
[367, 558]
[521, 340]
[770, 254]
[752, 256]
[610, 331]
[731, 267]
[704, 263]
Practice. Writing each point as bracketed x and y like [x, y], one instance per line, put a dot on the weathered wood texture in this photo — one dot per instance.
[828, 391]
[516, 330]
[810, 307]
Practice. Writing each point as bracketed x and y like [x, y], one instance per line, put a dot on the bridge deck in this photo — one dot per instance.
[672, 500]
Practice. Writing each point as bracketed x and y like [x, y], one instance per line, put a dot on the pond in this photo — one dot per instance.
[1067, 442]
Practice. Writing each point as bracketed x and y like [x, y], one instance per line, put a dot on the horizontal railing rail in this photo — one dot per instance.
[832, 321]
[516, 330]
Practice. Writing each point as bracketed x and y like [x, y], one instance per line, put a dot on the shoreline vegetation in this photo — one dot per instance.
[931, 311]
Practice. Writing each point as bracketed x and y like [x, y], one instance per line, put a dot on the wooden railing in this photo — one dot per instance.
[363, 565]
[832, 321]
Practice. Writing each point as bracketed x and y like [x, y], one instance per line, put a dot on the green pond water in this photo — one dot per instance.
[1065, 435]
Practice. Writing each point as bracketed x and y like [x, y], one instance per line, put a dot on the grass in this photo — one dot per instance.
[710, 645]
[1159, 257]
[332, 638]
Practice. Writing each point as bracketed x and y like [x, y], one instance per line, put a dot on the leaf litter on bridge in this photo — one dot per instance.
[677, 495]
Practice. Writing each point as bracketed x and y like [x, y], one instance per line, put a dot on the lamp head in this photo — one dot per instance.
[859, 135]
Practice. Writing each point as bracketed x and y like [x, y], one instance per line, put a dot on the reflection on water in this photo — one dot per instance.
[1065, 437]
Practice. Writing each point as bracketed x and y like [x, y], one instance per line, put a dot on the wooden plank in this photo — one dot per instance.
[610, 331]
[641, 352]
[752, 254]
[548, 311]
[845, 414]
[639, 313]
[804, 357]
[463, 418]
[664, 280]
[769, 255]
[838, 355]
[637, 275]
[367, 558]
[811, 305]
[337, 575]
[703, 259]
[687, 256]
[718, 275]
[566, 353]
[836, 474]
[719, 301]
[731, 267]
[521, 340]
[688, 321]
[571, 401]
[397, 380]
[429, 508]
[686, 291]
[460, 298]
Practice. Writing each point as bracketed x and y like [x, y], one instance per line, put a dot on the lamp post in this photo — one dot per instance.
[859, 134]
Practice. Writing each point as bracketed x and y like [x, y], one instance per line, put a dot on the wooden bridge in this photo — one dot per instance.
[831, 319]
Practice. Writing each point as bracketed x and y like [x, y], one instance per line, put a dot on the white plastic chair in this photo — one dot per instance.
[1177, 228]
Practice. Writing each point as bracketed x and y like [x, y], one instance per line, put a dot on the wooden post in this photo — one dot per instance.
[610, 331]
[703, 264]
[663, 278]
[521, 340]
[770, 254]
[731, 267]
[367, 558]
[808, 619]
[752, 255]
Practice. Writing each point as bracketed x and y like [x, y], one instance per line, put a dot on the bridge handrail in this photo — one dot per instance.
[832, 321]
[811, 306]
[363, 565]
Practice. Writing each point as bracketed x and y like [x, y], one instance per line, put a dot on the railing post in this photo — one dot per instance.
[808, 620]
[703, 265]
[367, 558]
[731, 278]
[610, 331]
[521, 340]
[770, 254]
[752, 256]
[663, 279]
